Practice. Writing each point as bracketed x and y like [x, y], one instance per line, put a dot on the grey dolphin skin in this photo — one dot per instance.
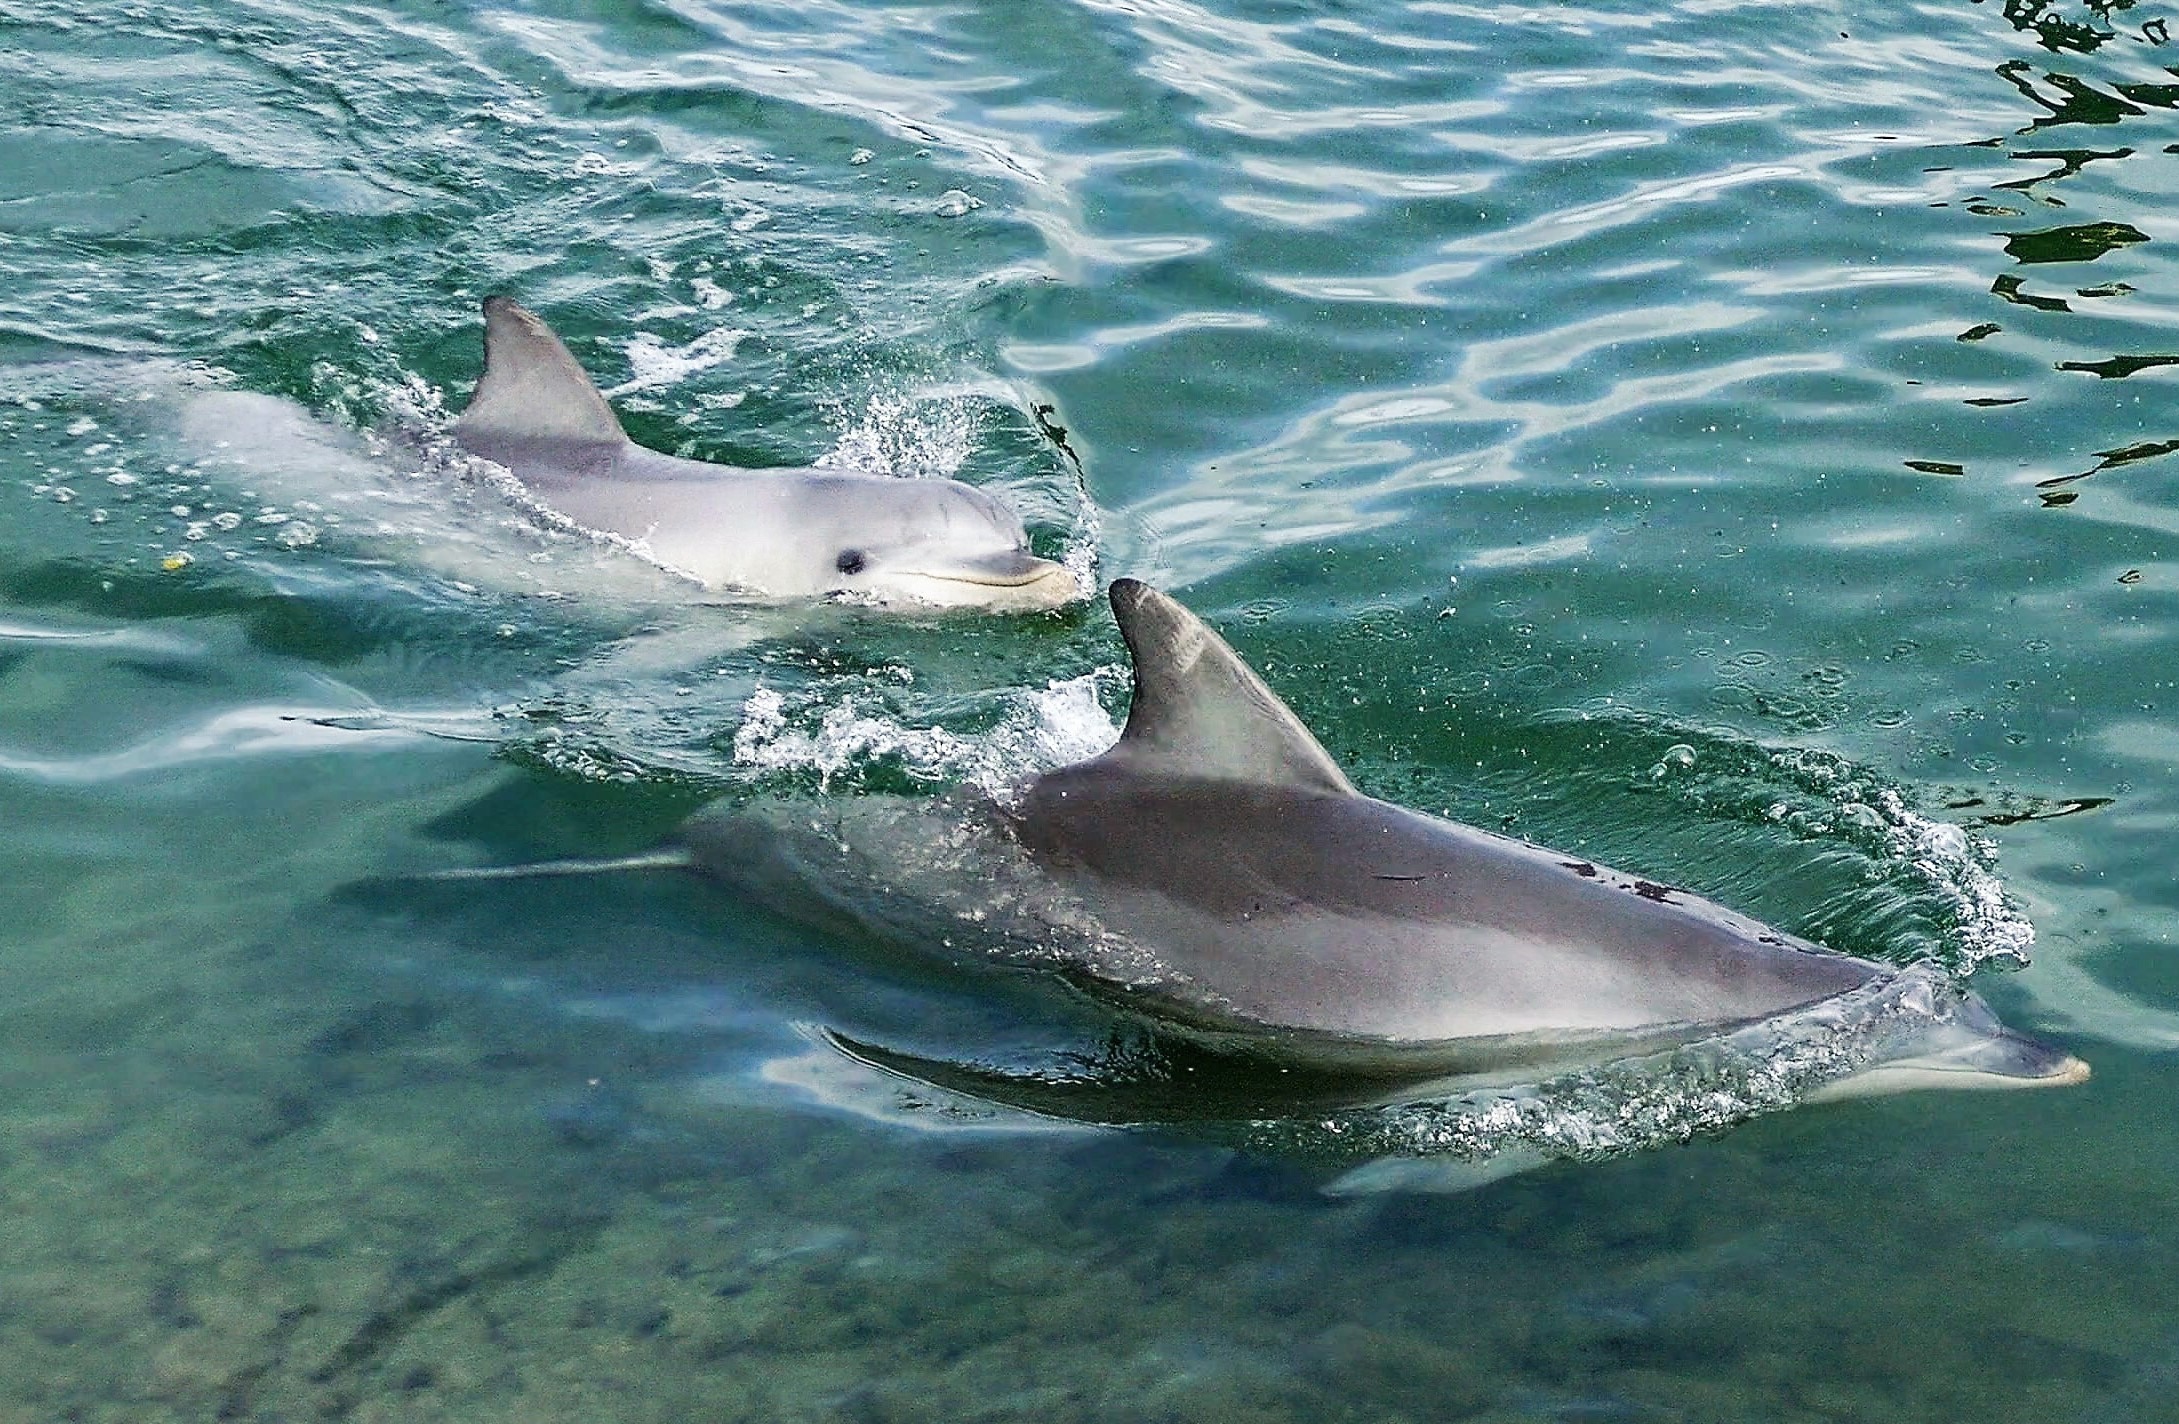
[1215, 870]
[791, 533]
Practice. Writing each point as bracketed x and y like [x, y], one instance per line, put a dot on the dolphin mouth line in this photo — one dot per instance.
[987, 581]
[1042, 570]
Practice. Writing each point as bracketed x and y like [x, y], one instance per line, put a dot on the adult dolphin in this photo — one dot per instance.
[788, 533]
[1216, 871]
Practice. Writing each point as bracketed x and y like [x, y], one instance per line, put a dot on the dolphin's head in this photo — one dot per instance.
[937, 542]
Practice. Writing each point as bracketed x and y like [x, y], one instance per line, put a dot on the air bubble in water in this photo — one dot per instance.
[1677, 759]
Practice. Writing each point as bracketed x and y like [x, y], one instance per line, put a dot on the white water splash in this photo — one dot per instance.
[1071, 723]
[1956, 866]
[653, 365]
[899, 434]
[1064, 721]
[845, 738]
[1953, 866]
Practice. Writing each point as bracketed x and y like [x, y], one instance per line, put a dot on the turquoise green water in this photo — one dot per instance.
[1727, 440]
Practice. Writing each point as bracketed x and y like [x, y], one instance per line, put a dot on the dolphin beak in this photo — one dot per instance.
[1015, 579]
[2009, 1059]
[2072, 1071]
[1011, 569]
[1956, 1060]
[2060, 1069]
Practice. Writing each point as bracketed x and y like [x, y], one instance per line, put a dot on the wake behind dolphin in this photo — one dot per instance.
[792, 533]
[1215, 872]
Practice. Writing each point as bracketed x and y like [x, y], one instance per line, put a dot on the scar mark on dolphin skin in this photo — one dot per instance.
[1651, 890]
[1581, 868]
[1399, 877]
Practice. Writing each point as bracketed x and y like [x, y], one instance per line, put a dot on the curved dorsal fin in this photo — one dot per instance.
[531, 388]
[1200, 711]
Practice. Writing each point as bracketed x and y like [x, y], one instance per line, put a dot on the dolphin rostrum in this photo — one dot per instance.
[793, 533]
[1216, 872]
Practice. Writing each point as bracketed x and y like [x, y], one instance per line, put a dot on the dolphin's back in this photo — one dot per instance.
[1337, 913]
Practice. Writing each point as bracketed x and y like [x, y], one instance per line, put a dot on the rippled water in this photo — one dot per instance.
[1723, 439]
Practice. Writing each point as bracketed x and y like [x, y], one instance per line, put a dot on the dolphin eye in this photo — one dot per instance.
[851, 561]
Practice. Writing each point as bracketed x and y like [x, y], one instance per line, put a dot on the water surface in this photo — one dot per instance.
[1726, 440]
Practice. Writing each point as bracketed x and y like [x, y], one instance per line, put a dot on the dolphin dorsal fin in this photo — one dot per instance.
[1200, 711]
[531, 388]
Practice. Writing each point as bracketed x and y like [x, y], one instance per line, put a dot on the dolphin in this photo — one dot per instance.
[1217, 874]
[790, 533]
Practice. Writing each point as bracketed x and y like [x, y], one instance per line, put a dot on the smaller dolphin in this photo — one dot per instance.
[791, 533]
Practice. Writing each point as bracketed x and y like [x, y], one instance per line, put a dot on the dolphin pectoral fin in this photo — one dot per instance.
[1437, 1176]
[1200, 710]
[1143, 1076]
[532, 390]
[1083, 1100]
